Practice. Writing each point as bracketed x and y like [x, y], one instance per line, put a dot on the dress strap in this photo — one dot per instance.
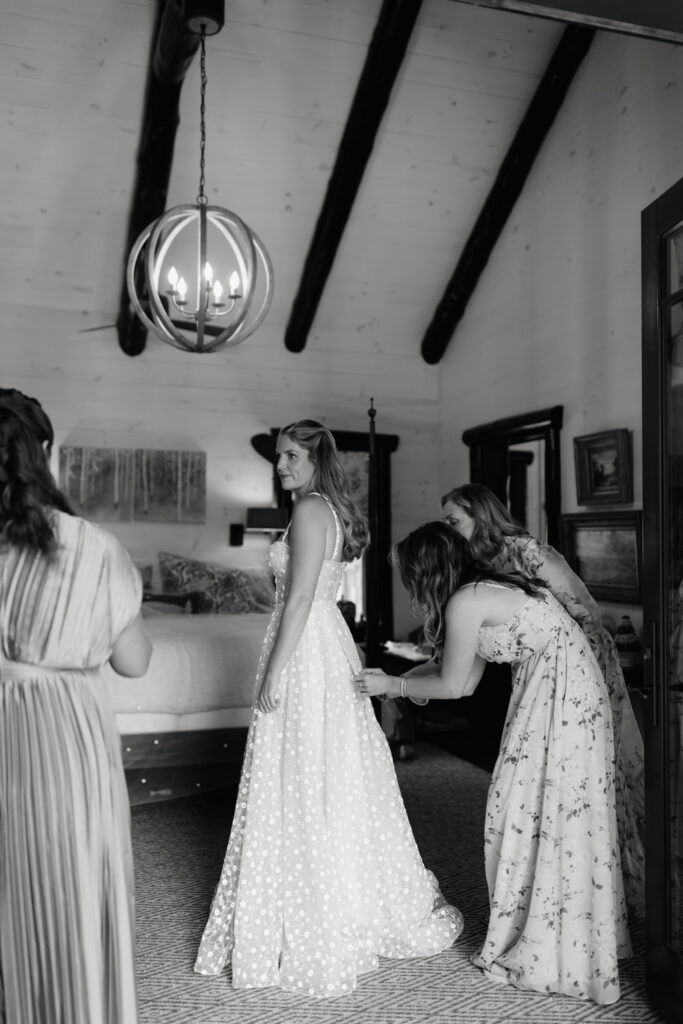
[338, 537]
[489, 583]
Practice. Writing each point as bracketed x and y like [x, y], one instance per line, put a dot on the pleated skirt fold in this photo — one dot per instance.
[66, 868]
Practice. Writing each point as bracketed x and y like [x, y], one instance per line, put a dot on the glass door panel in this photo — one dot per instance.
[673, 691]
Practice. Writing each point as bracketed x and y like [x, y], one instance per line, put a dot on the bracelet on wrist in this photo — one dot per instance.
[420, 701]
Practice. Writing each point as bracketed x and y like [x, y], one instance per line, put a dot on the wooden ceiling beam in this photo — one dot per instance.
[509, 182]
[654, 19]
[385, 55]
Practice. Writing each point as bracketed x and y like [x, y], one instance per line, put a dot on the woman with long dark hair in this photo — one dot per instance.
[322, 874]
[69, 602]
[558, 916]
[482, 519]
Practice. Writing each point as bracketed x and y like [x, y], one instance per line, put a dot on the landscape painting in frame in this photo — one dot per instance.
[98, 482]
[170, 486]
[604, 467]
[604, 549]
[109, 484]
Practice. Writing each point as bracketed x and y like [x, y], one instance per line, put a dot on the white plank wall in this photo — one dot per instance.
[557, 315]
[557, 321]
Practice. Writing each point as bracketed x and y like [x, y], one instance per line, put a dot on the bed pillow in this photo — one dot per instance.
[219, 590]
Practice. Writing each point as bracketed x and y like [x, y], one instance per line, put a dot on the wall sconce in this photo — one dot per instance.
[259, 520]
[236, 535]
[267, 520]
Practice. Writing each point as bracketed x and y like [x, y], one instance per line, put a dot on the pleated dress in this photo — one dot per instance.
[322, 874]
[66, 867]
[558, 920]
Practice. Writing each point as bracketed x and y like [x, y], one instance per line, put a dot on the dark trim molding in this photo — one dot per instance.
[653, 19]
[489, 444]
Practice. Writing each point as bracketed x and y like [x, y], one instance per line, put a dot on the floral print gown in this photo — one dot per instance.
[322, 874]
[529, 556]
[558, 917]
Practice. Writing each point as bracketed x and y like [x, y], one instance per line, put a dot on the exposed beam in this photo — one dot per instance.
[385, 55]
[655, 19]
[509, 182]
[174, 45]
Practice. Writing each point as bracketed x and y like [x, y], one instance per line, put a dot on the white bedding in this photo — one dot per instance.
[201, 675]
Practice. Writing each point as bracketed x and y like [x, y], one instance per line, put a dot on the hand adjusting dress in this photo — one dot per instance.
[322, 873]
[558, 915]
[66, 867]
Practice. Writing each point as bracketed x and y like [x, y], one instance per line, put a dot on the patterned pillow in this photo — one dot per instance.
[222, 591]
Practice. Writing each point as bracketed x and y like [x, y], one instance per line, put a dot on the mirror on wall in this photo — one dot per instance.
[519, 459]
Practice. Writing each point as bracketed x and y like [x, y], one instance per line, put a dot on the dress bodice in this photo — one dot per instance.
[536, 559]
[527, 632]
[331, 571]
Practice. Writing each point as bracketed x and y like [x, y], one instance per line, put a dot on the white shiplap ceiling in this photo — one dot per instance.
[282, 76]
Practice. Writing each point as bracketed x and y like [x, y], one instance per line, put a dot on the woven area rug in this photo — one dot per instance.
[179, 847]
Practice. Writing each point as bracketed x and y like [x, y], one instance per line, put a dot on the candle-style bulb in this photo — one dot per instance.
[173, 277]
[234, 285]
[182, 288]
[208, 273]
[217, 292]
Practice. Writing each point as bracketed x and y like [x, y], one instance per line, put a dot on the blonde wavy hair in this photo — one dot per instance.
[330, 480]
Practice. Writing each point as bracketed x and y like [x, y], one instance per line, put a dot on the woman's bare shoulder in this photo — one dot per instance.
[310, 510]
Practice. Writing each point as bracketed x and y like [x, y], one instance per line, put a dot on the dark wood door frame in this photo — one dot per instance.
[489, 443]
[664, 969]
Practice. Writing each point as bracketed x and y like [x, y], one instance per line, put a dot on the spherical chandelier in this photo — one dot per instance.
[198, 277]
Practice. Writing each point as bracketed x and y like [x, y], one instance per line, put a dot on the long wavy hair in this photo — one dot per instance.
[492, 521]
[434, 562]
[330, 479]
[27, 489]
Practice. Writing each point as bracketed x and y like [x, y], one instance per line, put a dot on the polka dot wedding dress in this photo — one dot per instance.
[322, 874]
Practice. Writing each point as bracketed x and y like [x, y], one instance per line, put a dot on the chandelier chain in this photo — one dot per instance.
[201, 198]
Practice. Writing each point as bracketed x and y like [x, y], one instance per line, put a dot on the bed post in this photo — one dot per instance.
[372, 601]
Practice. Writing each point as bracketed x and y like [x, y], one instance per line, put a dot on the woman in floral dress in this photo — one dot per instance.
[477, 515]
[558, 916]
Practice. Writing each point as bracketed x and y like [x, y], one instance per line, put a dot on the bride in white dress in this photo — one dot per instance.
[322, 873]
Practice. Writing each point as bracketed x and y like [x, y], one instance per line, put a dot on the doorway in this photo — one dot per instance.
[662, 291]
[518, 458]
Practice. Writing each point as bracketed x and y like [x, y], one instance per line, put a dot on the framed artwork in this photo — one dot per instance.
[604, 467]
[109, 484]
[604, 549]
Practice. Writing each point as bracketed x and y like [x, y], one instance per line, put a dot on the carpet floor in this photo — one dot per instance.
[179, 847]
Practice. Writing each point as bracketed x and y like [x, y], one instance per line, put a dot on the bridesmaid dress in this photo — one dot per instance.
[558, 919]
[66, 867]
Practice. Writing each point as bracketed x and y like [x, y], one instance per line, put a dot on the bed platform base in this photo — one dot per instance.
[165, 766]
